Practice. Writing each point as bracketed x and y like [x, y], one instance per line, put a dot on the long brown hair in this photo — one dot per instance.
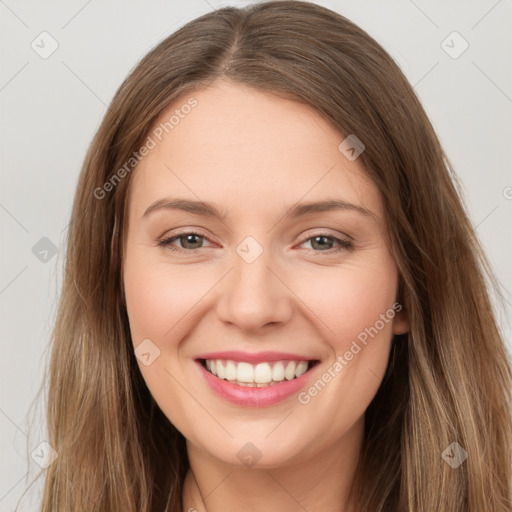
[449, 378]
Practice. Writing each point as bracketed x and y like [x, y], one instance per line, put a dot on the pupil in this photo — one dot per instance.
[320, 238]
[190, 239]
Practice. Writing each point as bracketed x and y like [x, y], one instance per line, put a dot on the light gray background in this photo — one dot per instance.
[52, 107]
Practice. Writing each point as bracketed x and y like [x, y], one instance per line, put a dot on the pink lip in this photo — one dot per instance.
[254, 396]
[259, 357]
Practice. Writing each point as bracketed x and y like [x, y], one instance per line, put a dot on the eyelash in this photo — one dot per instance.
[344, 245]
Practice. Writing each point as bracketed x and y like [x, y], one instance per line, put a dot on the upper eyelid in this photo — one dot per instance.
[187, 232]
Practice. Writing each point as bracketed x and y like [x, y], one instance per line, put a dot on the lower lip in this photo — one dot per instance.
[254, 396]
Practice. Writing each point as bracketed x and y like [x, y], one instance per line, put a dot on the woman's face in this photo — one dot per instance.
[265, 284]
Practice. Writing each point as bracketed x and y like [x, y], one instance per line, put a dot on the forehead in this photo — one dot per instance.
[248, 149]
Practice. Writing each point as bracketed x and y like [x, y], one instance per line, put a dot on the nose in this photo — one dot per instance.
[255, 295]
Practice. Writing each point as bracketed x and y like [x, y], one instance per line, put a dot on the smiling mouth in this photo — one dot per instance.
[257, 375]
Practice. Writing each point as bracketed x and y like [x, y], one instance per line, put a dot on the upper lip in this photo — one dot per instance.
[254, 357]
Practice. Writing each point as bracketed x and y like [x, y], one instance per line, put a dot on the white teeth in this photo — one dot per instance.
[231, 372]
[259, 375]
[263, 373]
[245, 372]
[289, 373]
[302, 368]
[278, 371]
[221, 371]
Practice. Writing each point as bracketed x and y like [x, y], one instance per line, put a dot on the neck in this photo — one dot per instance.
[316, 483]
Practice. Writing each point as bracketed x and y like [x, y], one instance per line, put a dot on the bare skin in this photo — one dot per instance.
[253, 155]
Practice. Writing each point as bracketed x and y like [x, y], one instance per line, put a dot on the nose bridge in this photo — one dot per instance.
[253, 296]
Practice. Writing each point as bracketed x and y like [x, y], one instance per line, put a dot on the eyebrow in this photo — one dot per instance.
[209, 210]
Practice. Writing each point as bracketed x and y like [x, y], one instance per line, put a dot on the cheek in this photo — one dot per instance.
[158, 297]
[357, 306]
[158, 302]
[350, 300]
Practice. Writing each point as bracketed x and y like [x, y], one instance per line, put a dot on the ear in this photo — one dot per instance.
[401, 322]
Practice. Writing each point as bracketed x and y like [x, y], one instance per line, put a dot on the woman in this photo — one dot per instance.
[210, 353]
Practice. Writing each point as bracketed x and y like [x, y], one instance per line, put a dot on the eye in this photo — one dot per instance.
[320, 242]
[325, 242]
[189, 241]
